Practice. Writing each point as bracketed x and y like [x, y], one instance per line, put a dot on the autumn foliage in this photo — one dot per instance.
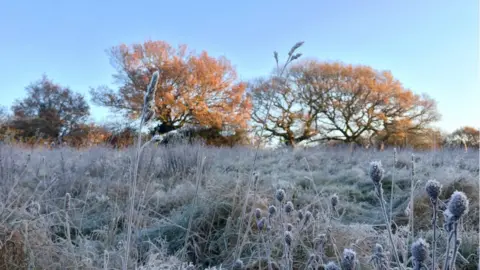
[323, 101]
[192, 89]
[309, 101]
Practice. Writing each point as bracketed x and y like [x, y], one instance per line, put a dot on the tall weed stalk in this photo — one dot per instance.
[148, 113]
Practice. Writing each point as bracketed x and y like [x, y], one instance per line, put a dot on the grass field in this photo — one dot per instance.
[198, 204]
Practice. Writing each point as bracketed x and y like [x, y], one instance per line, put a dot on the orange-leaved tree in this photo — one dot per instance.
[323, 101]
[195, 89]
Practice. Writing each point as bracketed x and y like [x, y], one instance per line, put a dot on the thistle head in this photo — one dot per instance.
[272, 210]
[348, 259]
[280, 195]
[458, 205]
[289, 207]
[433, 189]
[376, 171]
[420, 251]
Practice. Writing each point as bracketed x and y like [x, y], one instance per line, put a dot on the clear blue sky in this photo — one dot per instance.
[430, 45]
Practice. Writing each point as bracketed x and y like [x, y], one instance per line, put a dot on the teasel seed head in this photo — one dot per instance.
[348, 259]
[458, 205]
[420, 251]
[288, 238]
[258, 213]
[433, 189]
[280, 195]
[300, 214]
[261, 224]
[272, 210]
[289, 207]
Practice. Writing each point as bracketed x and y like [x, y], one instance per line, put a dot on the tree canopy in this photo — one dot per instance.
[336, 101]
[192, 88]
[50, 109]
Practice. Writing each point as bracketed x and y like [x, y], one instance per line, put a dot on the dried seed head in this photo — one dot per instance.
[238, 265]
[272, 210]
[258, 213]
[67, 201]
[149, 99]
[433, 189]
[261, 224]
[348, 259]
[300, 214]
[308, 216]
[289, 227]
[334, 200]
[280, 195]
[376, 171]
[289, 207]
[34, 208]
[458, 205]
[295, 47]
[275, 55]
[296, 56]
[320, 240]
[420, 251]
[288, 238]
[378, 249]
[331, 266]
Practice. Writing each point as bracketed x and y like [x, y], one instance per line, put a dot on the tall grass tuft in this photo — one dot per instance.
[148, 113]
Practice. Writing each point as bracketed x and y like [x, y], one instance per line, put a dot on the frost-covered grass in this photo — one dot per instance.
[189, 205]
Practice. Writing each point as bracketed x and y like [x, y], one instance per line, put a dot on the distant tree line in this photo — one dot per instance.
[313, 102]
